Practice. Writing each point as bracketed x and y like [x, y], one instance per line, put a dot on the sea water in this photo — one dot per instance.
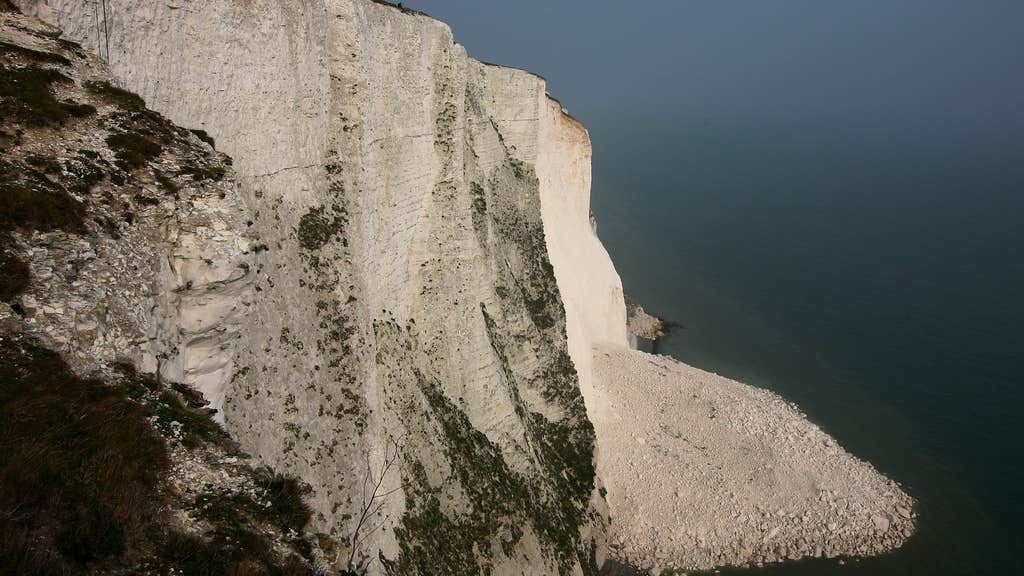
[873, 275]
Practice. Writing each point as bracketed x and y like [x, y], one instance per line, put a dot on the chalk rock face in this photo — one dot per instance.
[426, 285]
[540, 132]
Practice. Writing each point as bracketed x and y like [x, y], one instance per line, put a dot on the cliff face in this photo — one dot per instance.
[425, 287]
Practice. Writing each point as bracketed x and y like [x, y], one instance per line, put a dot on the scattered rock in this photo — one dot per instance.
[759, 458]
[881, 523]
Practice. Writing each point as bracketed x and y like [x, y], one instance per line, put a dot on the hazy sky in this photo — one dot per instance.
[956, 60]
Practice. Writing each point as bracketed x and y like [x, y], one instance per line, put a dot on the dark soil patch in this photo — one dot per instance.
[14, 274]
[79, 465]
[30, 201]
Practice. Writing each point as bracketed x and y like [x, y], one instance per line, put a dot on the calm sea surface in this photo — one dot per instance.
[874, 276]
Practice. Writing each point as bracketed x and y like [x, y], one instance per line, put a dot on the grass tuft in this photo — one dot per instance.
[279, 502]
[197, 427]
[287, 508]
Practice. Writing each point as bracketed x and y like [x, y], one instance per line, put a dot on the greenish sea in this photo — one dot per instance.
[873, 275]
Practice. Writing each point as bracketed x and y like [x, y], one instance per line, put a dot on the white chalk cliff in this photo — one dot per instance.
[424, 282]
[404, 200]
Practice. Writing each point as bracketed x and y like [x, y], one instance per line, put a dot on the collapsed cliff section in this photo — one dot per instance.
[114, 224]
[412, 351]
[703, 471]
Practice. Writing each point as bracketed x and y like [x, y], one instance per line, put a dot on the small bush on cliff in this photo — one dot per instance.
[196, 426]
[133, 150]
[202, 135]
[228, 553]
[200, 173]
[287, 508]
[479, 198]
[399, 6]
[284, 506]
[317, 227]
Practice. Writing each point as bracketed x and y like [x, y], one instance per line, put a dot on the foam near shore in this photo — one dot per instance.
[703, 471]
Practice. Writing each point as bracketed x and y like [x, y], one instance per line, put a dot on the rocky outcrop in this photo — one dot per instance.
[129, 228]
[121, 246]
[644, 329]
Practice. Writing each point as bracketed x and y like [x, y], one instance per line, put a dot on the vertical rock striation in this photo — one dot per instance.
[425, 277]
